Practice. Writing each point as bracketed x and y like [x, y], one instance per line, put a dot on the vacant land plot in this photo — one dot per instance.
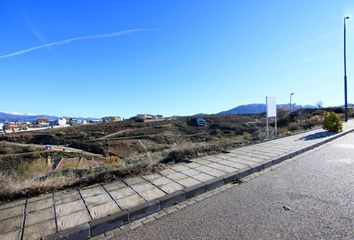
[117, 149]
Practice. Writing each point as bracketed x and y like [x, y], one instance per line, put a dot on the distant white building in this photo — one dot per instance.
[112, 119]
[62, 121]
[77, 122]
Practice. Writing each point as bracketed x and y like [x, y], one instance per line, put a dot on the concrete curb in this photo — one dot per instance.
[108, 223]
[172, 199]
[144, 209]
[81, 232]
[99, 226]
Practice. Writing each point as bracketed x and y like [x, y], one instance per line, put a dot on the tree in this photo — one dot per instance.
[319, 104]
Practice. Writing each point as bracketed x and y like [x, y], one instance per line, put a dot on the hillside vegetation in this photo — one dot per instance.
[119, 149]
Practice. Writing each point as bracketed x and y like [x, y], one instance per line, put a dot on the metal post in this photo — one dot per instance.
[345, 75]
[291, 94]
[267, 133]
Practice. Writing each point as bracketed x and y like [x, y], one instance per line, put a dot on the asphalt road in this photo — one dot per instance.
[317, 189]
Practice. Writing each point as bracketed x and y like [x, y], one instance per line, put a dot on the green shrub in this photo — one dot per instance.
[247, 136]
[332, 122]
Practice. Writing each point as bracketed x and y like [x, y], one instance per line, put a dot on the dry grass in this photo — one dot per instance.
[13, 188]
[34, 169]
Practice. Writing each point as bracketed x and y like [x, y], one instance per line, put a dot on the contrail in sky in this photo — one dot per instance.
[66, 41]
[304, 44]
[311, 59]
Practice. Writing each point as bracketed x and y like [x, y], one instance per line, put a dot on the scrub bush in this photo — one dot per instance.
[332, 122]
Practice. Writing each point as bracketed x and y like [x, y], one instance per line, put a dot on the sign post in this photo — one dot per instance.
[271, 111]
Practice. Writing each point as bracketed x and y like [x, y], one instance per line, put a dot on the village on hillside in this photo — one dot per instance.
[43, 122]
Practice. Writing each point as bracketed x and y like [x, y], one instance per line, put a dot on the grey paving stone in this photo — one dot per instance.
[67, 198]
[177, 176]
[214, 159]
[70, 207]
[134, 180]
[88, 192]
[222, 156]
[192, 165]
[40, 216]
[269, 153]
[39, 230]
[241, 161]
[64, 193]
[39, 205]
[12, 212]
[11, 224]
[122, 193]
[179, 168]
[190, 172]
[168, 171]
[152, 176]
[250, 159]
[130, 201]
[188, 182]
[12, 204]
[211, 171]
[171, 187]
[256, 155]
[114, 185]
[41, 197]
[141, 187]
[97, 200]
[72, 220]
[151, 194]
[103, 210]
[161, 181]
[14, 235]
[222, 167]
[202, 162]
[203, 177]
[233, 164]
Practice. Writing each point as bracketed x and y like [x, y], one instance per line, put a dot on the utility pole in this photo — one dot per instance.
[345, 73]
[291, 94]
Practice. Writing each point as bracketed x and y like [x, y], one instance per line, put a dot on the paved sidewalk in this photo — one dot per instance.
[132, 198]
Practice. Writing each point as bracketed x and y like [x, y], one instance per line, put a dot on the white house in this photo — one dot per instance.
[61, 121]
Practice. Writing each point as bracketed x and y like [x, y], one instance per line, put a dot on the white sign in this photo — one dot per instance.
[271, 107]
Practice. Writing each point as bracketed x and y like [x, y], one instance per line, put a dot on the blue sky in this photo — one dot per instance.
[176, 57]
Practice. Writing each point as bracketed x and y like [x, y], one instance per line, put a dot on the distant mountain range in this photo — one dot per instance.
[258, 108]
[19, 117]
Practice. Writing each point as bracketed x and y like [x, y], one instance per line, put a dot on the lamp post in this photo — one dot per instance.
[345, 74]
[291, 94]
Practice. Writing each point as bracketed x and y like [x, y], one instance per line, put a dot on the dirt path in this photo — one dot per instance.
[126, 131]
[54, 148]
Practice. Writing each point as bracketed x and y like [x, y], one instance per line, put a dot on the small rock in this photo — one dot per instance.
[286, 208]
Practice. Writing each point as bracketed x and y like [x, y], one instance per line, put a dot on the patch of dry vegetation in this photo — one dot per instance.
[132, 148]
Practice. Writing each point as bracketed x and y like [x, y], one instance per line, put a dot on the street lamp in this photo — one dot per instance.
[345, 75]
[291, 94]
